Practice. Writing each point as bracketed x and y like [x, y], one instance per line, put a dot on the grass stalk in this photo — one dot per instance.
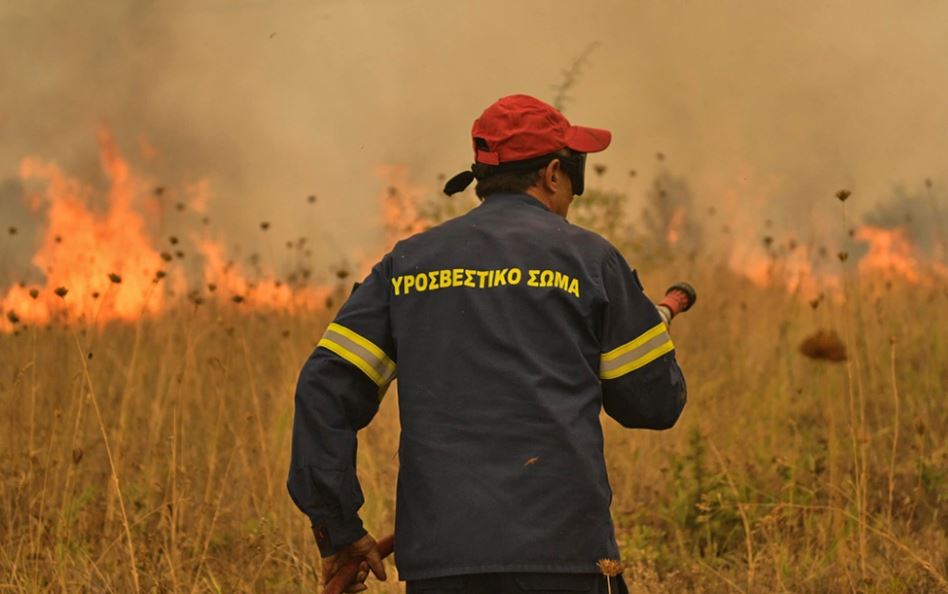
[133, 565]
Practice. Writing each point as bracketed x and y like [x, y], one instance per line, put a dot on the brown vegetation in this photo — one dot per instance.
[151, 455]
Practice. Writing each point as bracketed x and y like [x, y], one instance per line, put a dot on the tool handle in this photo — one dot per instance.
[678, 299]
[347, 574]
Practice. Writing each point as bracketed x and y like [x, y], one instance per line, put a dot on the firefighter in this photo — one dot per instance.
[509, 330]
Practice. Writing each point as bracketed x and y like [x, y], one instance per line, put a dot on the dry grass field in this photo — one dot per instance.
[151, 454]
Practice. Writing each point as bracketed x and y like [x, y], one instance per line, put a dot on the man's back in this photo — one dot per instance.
[509, 331]
[498, 385]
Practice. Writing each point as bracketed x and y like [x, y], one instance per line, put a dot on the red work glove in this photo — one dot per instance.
[366, 548]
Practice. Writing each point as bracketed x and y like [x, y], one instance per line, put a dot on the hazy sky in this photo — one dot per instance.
[272, 101]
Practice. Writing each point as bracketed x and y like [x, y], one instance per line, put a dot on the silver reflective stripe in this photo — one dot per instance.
[637, 353]
[359, 351]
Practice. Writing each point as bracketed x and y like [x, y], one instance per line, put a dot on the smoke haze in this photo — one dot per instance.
[775, 104]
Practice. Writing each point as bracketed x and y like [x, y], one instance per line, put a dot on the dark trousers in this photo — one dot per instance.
[519, 583]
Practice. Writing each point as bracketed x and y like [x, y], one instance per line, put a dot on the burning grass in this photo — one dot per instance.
[164, 437]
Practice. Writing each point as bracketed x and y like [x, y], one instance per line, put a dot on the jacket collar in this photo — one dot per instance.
[507, 199]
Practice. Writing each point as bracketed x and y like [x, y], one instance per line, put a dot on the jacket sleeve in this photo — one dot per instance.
[642, 385]
[338, 393]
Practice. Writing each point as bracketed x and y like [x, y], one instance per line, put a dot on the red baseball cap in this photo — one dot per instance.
[519, 127]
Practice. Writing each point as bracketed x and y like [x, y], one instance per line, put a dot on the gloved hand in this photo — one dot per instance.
[366, 548]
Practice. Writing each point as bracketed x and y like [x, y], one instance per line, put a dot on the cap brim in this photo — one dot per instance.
[588, 140]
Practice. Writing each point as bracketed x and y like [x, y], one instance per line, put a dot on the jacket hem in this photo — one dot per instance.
[424, 574]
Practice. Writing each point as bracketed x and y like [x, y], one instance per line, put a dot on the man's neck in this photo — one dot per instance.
[542, 198]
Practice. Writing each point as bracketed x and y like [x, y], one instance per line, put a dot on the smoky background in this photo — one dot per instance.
[762, 109]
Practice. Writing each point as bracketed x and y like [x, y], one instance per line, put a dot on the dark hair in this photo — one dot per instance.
[510, 181]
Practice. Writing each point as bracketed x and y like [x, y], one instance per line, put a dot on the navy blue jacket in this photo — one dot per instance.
[509, 331]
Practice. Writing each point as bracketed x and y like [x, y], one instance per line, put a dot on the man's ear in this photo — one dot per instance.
[552, 176]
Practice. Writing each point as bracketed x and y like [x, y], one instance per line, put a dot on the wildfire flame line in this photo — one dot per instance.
[102, 266]
[105, 266]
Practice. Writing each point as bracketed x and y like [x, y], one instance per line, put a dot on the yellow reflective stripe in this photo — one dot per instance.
[352, 358]
[361, 352]
[650, 345]
[640, 362]
[364, 342]
[647, 336]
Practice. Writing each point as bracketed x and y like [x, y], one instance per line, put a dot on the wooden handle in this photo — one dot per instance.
[347, 574]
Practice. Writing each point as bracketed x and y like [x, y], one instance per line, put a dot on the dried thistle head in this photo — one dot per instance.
[12, 230]
[180, 206]
[166, 257]
[824, 345]
[161, 274]
[14, 319]
[173, 239]
[61, 292]
[610, 567]
[311, 199]
[264, 225]
[600, 169]
[34, 293]
[116, 279]
[159, 190]
[237, 299]
[632, 173]
[660, 156]
[211, 287]
[842, 195]
[843, 256]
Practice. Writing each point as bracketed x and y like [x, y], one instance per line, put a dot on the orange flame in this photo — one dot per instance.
[890, 252]
[793, 271]
[268, 293]
[112, 270]
[674, 226]
[401, 212]
[81, 249]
